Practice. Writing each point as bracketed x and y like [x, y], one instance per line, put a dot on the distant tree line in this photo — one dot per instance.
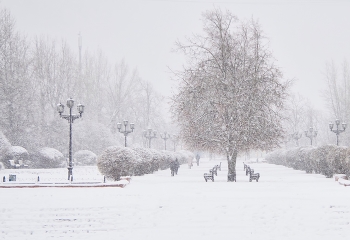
[38, 73]
[300, 115]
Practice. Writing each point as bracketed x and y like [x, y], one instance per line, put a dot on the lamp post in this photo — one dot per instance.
[149, 134]
[71, 117]
[165, 136]
[125, 131]
[311, 134]
[296, 136]
[337, 131]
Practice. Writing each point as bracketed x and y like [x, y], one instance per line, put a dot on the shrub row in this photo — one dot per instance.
[45, 158]
[327, 160]
[116, 162]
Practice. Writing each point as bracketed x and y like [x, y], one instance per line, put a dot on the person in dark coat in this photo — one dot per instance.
[174, 167]
[177, 166]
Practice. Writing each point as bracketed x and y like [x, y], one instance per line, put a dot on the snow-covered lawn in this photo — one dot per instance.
[284, 204]
[55, 175]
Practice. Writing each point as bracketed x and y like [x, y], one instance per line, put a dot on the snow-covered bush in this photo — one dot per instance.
[47, 158]
[85, 158]
[143, 163]
[167, 158]
[115, 162]
[17, 154]
[156, 159]
[336, 158]
[325, 167]
[305, 158]
[5, 147]
[347, 162]
[315, 161]
[271, 157]
[277, 157]
[113, 148]
[292, 158]
[326, 159]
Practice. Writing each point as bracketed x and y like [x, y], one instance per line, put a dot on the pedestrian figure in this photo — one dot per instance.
[197, 159]
[174, 167]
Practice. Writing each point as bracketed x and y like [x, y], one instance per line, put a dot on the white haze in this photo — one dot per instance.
[304, 35]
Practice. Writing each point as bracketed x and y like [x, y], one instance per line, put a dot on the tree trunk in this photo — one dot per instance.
[231, 162]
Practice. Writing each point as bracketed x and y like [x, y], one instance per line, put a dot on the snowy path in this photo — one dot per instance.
[284, 204]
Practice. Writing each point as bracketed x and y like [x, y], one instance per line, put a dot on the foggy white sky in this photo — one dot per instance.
[303, 35]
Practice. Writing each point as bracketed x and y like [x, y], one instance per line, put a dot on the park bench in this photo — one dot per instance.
[13, 164]
[209, 176]
[254, 176]
[20, 164]
[214, 170]
[248, 170]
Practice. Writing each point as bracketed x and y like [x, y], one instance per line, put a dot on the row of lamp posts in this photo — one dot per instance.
[313, 134]
[149, 133]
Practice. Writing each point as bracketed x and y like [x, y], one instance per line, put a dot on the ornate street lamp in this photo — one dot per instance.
[149, 134]
[337, 131]
[165, 136]
[71, 117]
[125, 131]
[311, 134]
[296, 136]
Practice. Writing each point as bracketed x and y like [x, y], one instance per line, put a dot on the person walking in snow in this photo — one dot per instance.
[177, 166]
[174, 167]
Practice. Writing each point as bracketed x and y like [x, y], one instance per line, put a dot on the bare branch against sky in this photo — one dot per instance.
[303, 35]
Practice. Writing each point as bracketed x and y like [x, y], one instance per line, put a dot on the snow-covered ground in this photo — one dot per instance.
[284, 204]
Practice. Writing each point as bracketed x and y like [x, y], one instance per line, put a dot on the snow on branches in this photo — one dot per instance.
[231, 93]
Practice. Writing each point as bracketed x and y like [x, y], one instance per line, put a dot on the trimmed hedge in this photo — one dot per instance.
[85, 158]
[327, 160]
[144, 161]
[116, 162]
[47, 158]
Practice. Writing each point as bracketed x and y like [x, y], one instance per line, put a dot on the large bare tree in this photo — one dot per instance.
[230, 92]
